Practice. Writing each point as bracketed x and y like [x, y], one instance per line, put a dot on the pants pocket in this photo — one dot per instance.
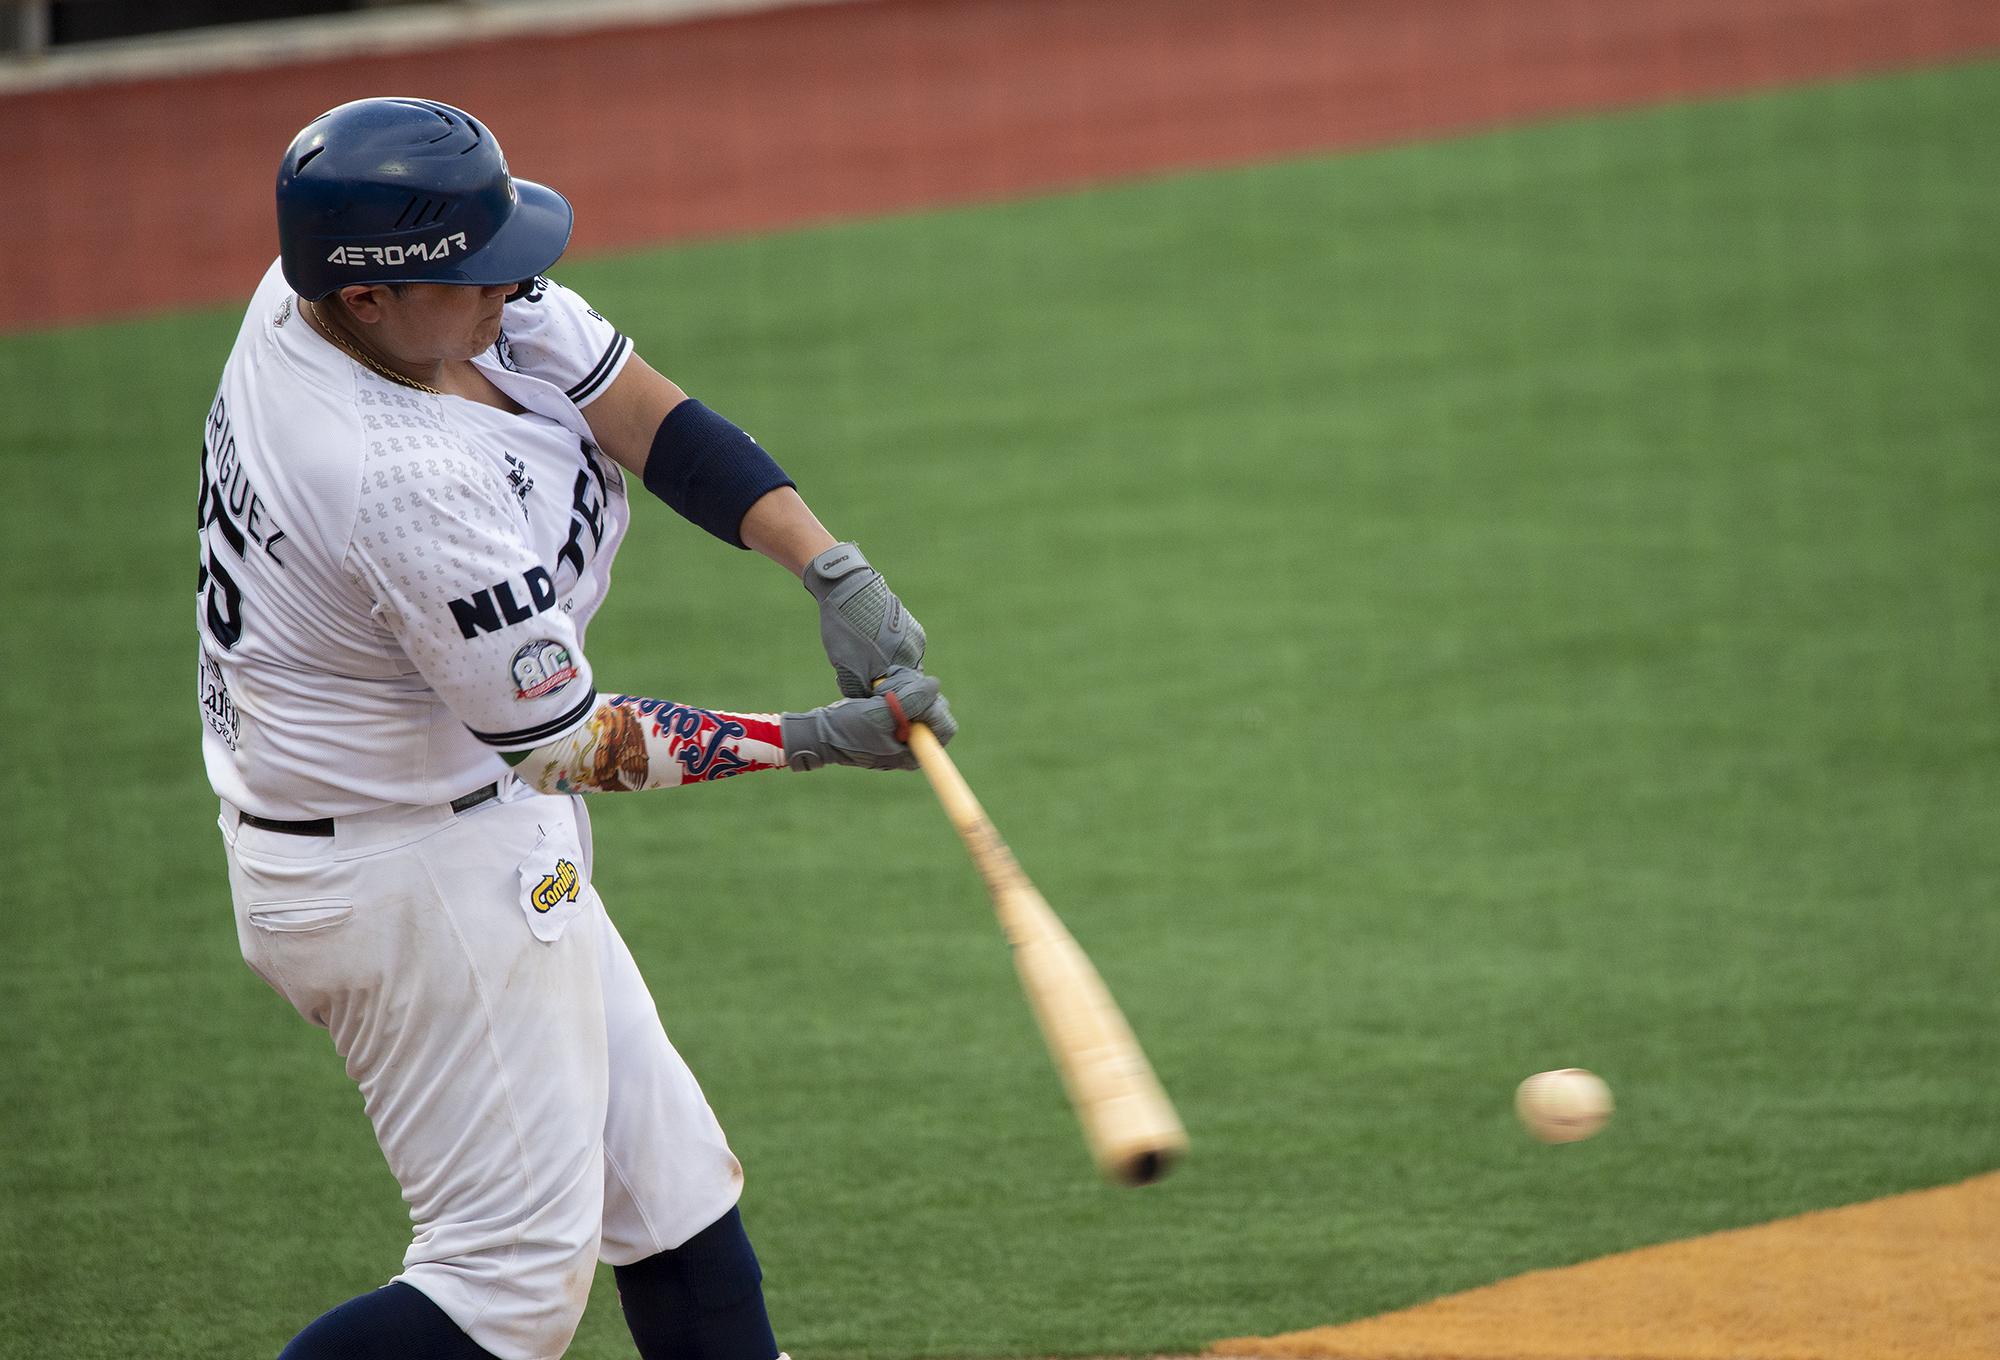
[298, 946]
[301, 917]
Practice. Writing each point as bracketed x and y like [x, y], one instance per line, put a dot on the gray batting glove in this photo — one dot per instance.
[866, 630]
[872, 733]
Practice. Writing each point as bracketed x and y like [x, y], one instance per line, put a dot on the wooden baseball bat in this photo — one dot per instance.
[1133, 1132]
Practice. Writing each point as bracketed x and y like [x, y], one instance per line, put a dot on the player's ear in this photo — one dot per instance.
[364, 300]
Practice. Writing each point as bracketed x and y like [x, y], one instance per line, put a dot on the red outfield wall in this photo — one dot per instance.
[136, 196]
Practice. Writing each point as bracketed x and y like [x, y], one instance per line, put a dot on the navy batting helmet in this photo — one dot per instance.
[409, 191]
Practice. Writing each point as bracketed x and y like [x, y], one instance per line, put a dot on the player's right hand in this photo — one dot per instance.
[866, 630]
[863, 731]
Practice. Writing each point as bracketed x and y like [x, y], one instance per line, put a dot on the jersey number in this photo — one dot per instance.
[224, 611]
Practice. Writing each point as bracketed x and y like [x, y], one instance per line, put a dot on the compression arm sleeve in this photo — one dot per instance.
[631, 743]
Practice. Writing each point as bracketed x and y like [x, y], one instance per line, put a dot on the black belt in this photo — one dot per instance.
[323, 826]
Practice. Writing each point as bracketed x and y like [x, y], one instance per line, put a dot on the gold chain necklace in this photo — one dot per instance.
[367, 361]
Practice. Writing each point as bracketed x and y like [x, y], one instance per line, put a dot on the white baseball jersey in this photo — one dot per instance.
[395, 586]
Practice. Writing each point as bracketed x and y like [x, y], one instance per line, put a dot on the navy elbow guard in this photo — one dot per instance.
[710, 471]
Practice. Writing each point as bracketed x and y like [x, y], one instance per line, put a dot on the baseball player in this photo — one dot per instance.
[415, 475]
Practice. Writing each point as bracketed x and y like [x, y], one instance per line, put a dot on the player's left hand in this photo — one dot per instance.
[872, 732]
[865, 628]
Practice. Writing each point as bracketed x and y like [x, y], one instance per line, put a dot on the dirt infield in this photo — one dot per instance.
[150, 194]
[1913, 1277]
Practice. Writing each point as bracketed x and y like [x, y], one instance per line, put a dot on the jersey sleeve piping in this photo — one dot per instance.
[542, 732]
[600, 376]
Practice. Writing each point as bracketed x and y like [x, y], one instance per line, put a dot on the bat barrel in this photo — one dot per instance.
[1134, 1135]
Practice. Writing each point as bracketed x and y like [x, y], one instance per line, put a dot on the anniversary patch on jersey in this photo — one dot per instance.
[542, 667]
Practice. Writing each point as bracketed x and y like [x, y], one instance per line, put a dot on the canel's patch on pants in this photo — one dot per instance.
[552, 884]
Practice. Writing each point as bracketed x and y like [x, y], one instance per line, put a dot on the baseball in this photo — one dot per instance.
[1563, 1106]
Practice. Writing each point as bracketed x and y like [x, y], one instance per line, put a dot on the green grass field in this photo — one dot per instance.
[1422, 617]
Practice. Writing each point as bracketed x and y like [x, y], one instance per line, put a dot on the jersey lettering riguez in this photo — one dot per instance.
[395, 586]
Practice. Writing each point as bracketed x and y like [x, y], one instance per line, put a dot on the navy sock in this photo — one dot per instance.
[396, 1322]
[702, 1300]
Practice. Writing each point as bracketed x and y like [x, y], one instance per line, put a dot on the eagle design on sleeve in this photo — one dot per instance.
[618, 758]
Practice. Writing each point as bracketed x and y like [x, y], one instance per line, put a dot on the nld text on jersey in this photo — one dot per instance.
[499, 606]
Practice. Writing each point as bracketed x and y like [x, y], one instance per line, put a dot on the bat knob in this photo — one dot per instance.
[902, 718]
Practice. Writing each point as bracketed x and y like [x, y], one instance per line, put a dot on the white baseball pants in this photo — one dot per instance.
[507, 1050]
